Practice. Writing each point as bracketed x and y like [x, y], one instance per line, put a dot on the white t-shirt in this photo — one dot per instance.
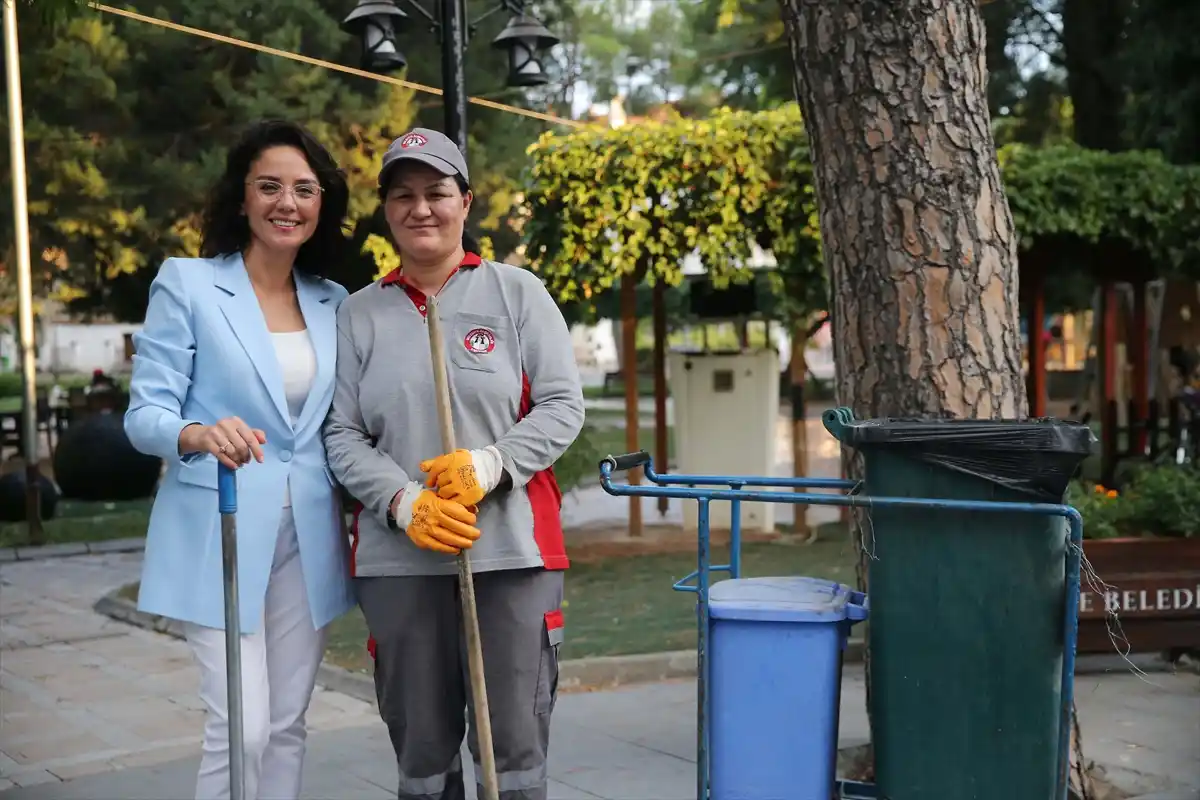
[298, 363]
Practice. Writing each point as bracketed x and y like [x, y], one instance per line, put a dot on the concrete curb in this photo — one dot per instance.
[66, 549]
[585, 674]
[575, 675]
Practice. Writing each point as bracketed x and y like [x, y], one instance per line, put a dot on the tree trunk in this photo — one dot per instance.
[915, 227]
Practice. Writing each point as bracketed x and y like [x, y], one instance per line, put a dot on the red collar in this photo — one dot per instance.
[397, 276]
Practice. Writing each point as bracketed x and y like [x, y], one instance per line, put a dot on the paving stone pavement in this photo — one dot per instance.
[91, 708]
[81, 693]
[638, 743]
[595, 753]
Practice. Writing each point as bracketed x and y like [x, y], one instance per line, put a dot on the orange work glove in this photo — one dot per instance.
[434, 523]
[465, 476]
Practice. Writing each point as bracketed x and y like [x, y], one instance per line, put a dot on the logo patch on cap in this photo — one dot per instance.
[413, 140]
[480, 341]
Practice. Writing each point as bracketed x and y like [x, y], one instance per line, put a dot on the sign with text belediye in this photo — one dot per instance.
[1157, 596]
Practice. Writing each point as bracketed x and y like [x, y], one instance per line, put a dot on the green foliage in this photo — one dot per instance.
[580, 463]
[1103, 510]
[1070, 197]
[1161, 64]
[50, 12]
[636, 200]
[127, 125]
[741, 55]
[1155, 501]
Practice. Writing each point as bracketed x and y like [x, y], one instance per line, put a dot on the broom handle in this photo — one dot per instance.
[466, 584]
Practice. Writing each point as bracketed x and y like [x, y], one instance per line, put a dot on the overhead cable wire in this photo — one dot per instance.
[317, 62]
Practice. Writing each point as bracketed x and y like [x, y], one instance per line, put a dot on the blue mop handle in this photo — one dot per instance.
[226, 489]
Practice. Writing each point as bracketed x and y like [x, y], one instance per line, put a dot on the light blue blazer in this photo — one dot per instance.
[204, 353]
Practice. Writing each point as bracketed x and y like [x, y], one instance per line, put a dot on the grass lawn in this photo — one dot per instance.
[76, 521]
[625, 605]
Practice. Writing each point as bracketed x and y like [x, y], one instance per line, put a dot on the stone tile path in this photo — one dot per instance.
[81, 693]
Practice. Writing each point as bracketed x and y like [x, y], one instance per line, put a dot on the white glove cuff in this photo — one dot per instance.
[408, 496]
[488, 467]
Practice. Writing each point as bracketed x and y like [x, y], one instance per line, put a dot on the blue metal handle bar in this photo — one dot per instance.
[644, 460]
[1074, 556]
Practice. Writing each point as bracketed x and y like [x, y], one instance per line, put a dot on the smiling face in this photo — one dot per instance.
[426, 212]
[282, 201]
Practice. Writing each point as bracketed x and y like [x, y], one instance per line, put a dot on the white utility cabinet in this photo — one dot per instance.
[726, 411]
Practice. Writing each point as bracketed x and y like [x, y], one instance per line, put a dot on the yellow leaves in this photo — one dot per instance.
[728, 13]
[63, 293]
[187, 230]
[641, 198]
[382, 253]
[487, 250]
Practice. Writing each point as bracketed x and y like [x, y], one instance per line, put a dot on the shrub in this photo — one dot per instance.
[580, 462]
[1156, 501]
[1102, 509]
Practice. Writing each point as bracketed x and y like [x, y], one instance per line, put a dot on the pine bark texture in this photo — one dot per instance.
[916, 228]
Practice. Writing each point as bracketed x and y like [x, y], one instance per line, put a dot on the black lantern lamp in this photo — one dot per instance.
[525, 39]
[375, 21]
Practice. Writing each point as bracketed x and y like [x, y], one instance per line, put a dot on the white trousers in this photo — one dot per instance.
[279, 671]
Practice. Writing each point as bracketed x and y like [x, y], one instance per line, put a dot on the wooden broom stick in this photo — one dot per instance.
[466, 584]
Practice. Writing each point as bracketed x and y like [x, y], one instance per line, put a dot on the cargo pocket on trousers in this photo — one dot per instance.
[547, 683]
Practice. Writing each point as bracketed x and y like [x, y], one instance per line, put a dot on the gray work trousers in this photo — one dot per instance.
[423, 684]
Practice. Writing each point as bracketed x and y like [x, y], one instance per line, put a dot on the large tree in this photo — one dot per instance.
[915, 227]
[917, 234]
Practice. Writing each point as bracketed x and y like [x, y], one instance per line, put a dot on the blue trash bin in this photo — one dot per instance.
[775, 674]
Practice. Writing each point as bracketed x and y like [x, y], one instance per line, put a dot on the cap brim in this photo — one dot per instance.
[440, 164]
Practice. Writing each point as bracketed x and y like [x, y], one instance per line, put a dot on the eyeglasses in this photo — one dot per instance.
[271, 190]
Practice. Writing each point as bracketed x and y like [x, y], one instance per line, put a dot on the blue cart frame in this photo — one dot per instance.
[685, 487]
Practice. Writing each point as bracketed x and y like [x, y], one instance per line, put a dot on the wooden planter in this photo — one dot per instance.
[1154, 589]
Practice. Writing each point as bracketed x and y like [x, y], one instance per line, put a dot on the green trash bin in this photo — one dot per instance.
[966, 628]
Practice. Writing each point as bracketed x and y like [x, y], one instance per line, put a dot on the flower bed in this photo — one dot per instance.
[1143, 547]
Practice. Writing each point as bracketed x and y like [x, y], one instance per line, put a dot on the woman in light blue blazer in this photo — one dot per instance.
[235, 364]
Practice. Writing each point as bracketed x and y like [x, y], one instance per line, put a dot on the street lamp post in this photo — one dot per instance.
[377, 21]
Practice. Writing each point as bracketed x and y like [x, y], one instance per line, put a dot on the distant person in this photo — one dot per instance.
[101, 382]
[518, 405]
[235, 364]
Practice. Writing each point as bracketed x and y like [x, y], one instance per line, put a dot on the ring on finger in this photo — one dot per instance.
[224, 447]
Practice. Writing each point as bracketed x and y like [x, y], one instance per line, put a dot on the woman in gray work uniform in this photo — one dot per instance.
[517, 404]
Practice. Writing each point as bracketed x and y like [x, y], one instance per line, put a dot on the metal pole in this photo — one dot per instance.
[16, 143]
[227, 506]
[454, 95]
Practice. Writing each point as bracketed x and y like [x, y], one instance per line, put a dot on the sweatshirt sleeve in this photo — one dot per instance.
[368, 474]
[548, 358]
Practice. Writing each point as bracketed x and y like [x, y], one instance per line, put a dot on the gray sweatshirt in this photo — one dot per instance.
[514, 384]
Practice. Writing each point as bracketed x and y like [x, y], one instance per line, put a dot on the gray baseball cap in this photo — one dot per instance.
[428, 147]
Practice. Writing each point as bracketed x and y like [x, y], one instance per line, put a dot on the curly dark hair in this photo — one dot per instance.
[227, 231]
